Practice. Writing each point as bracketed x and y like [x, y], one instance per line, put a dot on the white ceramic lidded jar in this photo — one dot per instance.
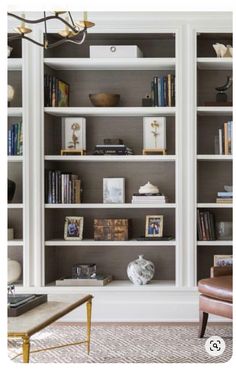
[140, 271]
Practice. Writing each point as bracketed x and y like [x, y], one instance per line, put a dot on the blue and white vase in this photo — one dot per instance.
[140, 271]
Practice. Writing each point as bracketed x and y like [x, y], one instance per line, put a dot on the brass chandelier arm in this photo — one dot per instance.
[40, 20]
[54, 44]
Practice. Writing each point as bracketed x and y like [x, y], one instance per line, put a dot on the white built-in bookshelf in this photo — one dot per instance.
[16, 214]
[190, 173]
[213, 171]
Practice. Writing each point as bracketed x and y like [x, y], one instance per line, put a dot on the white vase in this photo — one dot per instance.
[140, 271]
[10, 93]
[14, 270]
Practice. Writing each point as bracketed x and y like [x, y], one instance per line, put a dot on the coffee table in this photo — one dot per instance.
[33, 321]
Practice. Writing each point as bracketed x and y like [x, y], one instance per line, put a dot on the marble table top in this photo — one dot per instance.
[36, 319]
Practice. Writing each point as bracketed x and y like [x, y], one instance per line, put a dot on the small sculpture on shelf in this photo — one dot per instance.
[223, 51]
[10, 94]
[154, 135]
[11, 189]
[221, 96]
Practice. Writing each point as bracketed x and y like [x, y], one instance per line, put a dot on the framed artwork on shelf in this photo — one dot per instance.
[223, 260]
[154, 226]
[73, 229]
[154, 134]
[113, 190]
[73, 135]
[63, 94]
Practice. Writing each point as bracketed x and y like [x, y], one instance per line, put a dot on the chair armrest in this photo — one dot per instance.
[221, 270]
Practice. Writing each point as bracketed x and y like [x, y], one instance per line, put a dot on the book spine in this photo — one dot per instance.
[59, 188]
[220, 142]
[199, 228]
[169, 89]
[229, 137]
[9, 142]
[49, 189]
[203, 227]
[53, 188]
[159, 91]
[21, 139]
[165, 91]
[206, 226]
[226, 147]
[212, 222]
[172, 90]
[155, 91]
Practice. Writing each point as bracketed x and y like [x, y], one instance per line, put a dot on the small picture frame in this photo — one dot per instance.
[154, 226]
[113, 190]
[154, 133]
[73, 229]
[74, 134]
[223, 260]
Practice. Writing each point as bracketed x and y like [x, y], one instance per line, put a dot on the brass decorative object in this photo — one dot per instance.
[104, 99]
[74, 32]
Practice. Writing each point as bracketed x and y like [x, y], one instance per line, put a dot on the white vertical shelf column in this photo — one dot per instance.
[26, 163]
[34, 157]
[191, 154]
[179, 253]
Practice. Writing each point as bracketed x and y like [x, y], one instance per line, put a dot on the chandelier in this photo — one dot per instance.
[73, 32]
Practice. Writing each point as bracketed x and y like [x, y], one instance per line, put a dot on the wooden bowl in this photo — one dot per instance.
[104, 99]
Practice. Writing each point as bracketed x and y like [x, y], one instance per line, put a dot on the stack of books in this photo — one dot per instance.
[147, 198]
[15, 139]
[62, 188]
[205, 226]
[225, 139]
[163, 90]
[56, 92]
[112, 150]
[224, 197]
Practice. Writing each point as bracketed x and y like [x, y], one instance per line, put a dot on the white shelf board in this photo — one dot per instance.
[214, 205]
[15, 206]
[111, 64]
[109, 243]
[111, 112]
[215, 243]
[215, 157]
[215, 110]
[118, 285]
[14, 64]
[111, 158]
[215, 63]
[109, 206]
[15, 242]
[15, 158]
[14, 112]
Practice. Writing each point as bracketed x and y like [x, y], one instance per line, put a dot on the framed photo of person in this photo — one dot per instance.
[223, 260]
[74, 133]
[154, 226]
[73, 229]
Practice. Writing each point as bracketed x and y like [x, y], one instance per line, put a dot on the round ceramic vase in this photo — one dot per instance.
[14, 270]
[140, 271]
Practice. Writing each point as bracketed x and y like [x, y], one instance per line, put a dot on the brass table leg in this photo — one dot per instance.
[89, 314]
[26, 349]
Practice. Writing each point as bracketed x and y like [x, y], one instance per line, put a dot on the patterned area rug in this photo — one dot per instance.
[126, 343]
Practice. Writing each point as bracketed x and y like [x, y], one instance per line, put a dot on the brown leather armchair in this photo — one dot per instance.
[216, 296]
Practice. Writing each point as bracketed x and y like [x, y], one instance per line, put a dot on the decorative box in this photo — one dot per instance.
[115, 51]
[111, 229]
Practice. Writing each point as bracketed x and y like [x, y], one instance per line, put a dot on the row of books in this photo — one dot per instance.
[56, 92]
[225, 139]
[147, 198]
[205, 226]
[112, 150]
[163, 90]
[15, 139]
[224, 197]
[62, 188]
